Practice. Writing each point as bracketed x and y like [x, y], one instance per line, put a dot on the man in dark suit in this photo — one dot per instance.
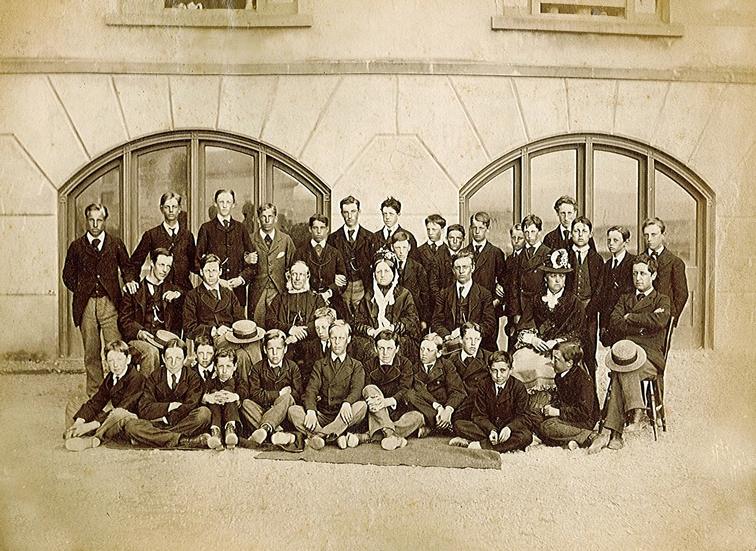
[155, 305]
[413, 277]
[391, 210]
[317, 348]
[586, 281]
[210, 309]
[174, 237]
[170, 414]
[437, 391]
[500, 420]
[490, 268]
[429, 253]
[529, 281]
[355, 245]
[561, 236]
[517, 237]
[122, 388]
[444, 273]
[276, 253]
[641, 319]
[326, 264]
[618, 277]
[464, 301]
[568, 419]
[388, 381]
[471, 363]
[275, 384]
[332, 397]
[671, 279]
[229, 240]
[90, 272]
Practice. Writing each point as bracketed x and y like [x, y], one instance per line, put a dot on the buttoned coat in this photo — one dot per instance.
[576, 398]
[330, 386]
[671, 280]
[85, 265]
[553, 240]
[480, 310]
[617, 281]
[414, 278]
[133, 311]
[511, 292]
[646, 324]
[395, 381]
[529, 279]
[124, 394]
[358, 256]
[203, 311]
[157, 395]
[508, 409]
[265, 384]
[472, 372]
[272, 263]
[291, 309]
[490, 270]
[380, 241]
[229, 244]
[596, 275]
[441, 385]
[181, 246]
[323, 268]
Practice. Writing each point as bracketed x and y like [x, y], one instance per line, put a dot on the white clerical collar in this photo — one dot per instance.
[620, 256]
[90, 238]
[223, 219]
[169, 230]
[341, 357]
[465, 288]
[316, 243]
[272, 234]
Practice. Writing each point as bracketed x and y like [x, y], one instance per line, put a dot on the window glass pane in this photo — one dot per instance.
[230, 169]
[104, 190]
[551, 176]
[295, 202]
[157, 172]
[615, 196]
[678, 210]
[495, 198]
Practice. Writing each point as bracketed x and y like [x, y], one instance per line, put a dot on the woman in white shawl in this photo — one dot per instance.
[386, 305]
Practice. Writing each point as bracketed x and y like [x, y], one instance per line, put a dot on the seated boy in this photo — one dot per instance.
[573, 411]
[218, 391]
[274, 386]
[169, 409]
[499, 417]
[122, 387]
[332, 398]
[388, 379]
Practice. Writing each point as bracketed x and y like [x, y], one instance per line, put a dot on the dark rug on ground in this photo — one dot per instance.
[425, 452]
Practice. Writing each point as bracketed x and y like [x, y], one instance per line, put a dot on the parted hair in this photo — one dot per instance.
[436, 219]
[571, 350]
[386, 335]
[500, 356]
[168, 195]
[265, 206]
[483, 217]
[565, 200]
[155, 253]
[208, 258]
[96, 206]
[649, 261]
[455, 227]
[582, 220]
[392, 203]
[219, 191]
[117, 346]
[532, 220]
[654, 220]
[226, 353]
[622, 230]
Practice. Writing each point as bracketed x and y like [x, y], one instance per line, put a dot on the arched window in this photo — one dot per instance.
[615, 181]
[130, 179]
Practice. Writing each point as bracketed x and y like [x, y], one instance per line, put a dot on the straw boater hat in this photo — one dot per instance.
[244, 332]
[625, 356]
[163, 337]
[558, 262]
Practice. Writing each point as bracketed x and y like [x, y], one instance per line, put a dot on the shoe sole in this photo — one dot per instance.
[214, 443]
[231, 441]
[78, 444]
[353, 441]
[282, 438]
[316, 443]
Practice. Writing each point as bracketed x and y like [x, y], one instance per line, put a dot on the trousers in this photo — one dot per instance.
[381, 420]
[100, 315]
[326, 427]
[254, 416]
[520, 438]
[159, 435]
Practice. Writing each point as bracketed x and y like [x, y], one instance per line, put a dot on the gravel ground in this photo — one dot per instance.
[695, 488]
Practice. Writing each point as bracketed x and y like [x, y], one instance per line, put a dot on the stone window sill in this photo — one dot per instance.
[596, 25]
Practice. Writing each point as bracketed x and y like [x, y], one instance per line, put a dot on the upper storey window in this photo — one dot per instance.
[629, 17]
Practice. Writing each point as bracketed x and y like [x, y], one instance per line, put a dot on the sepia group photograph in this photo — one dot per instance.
[289, 274]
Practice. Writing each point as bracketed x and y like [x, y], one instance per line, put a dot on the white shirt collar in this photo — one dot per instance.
[101, 238]
[169, 230]
[355, 229]
[277, 366]
[581, 250]
[465, 288]
[429, 367]
[116, 379]
[213, 288]
[657, 251]
[316, 243]
[206, 371]
[564, 373]
[535, 247]
[464, 355]
[177, 375]
[342, 357]
[619, 257]
[480, 245]
[390, 230]
[645, 293]
[438, 243]
[221, 219]
[272, 234]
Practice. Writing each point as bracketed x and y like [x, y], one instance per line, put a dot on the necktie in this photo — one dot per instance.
[477, 249]
[428, 368]
[529, 251]
[324, 345]
[639, 297]
[268, 239]
[96, 244]
[218, 294]
[319, 249]
[115, 380]
[460, 290]
[433, 247]
[350, 236]
[226, 224]
[174, 381]
[337, 363]
[614, 263]
[150, 288]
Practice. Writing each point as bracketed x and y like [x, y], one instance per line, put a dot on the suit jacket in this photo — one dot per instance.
[157, 395]
[213, 383]
[480, 310]
[414, 278]
[616, 283]
[402, 313]
[529, 279]
[596, 275]
[203, 311]
[265, 384]
[508, 409]
[511, 292]
[306, 353]
[576, 398]
[272, 263]
[183, 249]
[672, 281]
[330, 386]
[566, 321]
[380, 241]
[323, 268]
[134, 312]
[229, 245]
[291, 309]
[553, 240]
[473, 372]
[395, 381]
[358, 256]
[441, 385]
[438, 267]
[125, 394]
[85, 266]
[644, 326]
[490, 269]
